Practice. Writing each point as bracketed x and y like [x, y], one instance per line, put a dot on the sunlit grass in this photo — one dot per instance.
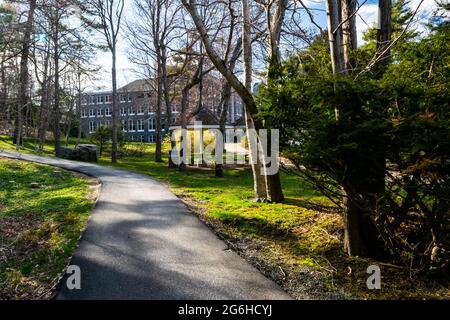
[39, 226]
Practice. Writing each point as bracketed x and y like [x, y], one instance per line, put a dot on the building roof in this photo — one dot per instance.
[137, 86]
[206, 116]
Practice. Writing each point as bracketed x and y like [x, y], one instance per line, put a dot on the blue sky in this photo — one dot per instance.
[367, 17]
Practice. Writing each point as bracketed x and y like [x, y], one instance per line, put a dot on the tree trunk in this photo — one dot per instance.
[166, 93]
[259, 180]
[361, 237]
[43, 116]
[69, 122]
[158, 151]
[274, 189]
[115, 107]
[225, 104]
[79, 109]
[24, 77]
[4, 89]
[349, 36]
[57, 97]
[335, 37]
[384, 31]
[183, 143]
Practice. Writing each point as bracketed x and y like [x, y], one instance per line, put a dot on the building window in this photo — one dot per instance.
[124, 126]
[83, 113]
[91, 100]
[141, 96]
[131, 111]
[108, 99]
[91, 126]
[131, 126]
[142, 138]
[107, 123]
[152, 138]
[151, 124]
[91, 113]
[108, 112]
[140, 125]
[132, 138]
[101, 99]
[84, 101]
[99, 112]
[125, 98]
[140, 110]
[123, 112]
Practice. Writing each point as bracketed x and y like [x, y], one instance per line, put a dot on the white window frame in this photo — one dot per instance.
[84, 113]
[152, 124]
[141, 110]
[92, 126]
[91, 113]
[131, 125]
[100, 113]
[140, 125]
[108, 112]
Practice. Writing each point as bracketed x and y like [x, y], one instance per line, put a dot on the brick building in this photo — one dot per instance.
[137, 105]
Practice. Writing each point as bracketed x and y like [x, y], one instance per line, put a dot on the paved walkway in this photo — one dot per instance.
[143, 243]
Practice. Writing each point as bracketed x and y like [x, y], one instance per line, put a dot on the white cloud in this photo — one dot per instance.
[368, 16]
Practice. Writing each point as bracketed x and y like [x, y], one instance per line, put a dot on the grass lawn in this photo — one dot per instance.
[298, 243]
[39, 226]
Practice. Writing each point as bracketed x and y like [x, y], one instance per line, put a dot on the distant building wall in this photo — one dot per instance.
[137, 116]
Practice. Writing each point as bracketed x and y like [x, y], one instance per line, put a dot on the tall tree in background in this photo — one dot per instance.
[151, 34]
[244, 90]
[24, 97]
[384, 31]
[349, 36]
[106, 16]
[274, 28]
[335, 37]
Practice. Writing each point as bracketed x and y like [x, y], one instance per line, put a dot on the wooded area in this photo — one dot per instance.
[368, 125]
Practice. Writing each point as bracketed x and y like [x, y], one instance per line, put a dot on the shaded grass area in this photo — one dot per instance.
[298, 243]
[42, 214]
[29, 145]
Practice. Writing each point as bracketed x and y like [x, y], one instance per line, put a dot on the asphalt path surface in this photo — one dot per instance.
[143, 243]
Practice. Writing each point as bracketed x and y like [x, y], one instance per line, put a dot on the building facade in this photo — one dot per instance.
[137, 106]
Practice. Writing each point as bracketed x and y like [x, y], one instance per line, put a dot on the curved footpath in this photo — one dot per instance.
[143, 243]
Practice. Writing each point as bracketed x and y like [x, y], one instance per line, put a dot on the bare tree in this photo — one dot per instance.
[243, 89]
[24, 97]
[106, 15]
